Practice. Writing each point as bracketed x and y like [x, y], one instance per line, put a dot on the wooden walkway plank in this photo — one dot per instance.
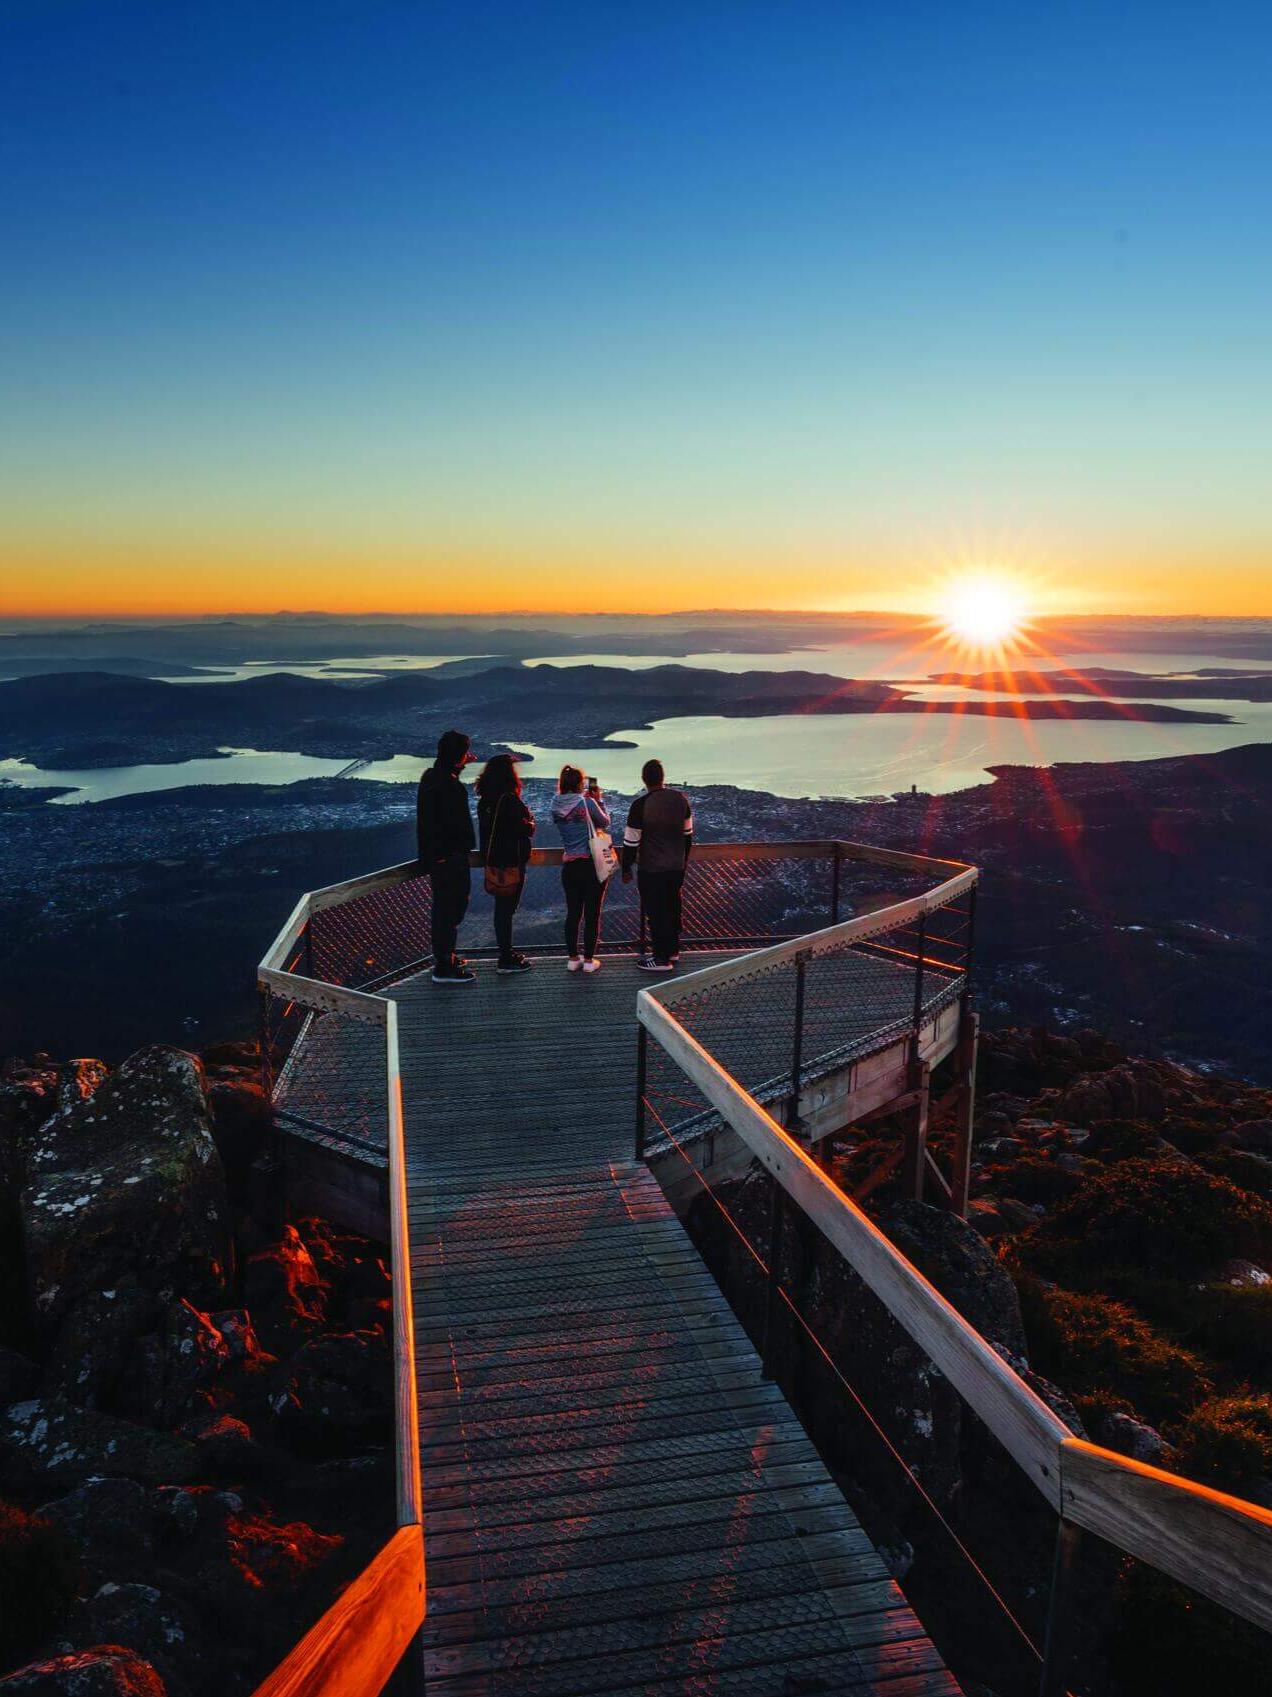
[615, 1500]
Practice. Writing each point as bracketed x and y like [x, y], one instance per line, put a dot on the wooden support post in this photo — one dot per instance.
[914, 1159]
[964, 1112]
[772, 1297]
[1058, 1642]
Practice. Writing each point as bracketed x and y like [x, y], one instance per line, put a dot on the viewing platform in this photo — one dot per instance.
[606, 1491]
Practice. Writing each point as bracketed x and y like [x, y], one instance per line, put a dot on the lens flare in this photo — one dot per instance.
[983, 610]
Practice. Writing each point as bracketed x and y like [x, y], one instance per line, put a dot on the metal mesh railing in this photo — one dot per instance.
[744, 900]
[326, 1069]
[334, 1085]
[778, 1026]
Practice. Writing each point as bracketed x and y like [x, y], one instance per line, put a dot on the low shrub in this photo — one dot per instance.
[1227, 1442]
[1165, 1216]
[1035, 1179]
[1095, 1346]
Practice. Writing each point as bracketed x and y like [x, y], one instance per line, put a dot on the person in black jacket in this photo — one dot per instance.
[444, 832]
[505, 826]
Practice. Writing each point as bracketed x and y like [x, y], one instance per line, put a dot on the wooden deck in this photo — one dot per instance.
[614, 1500]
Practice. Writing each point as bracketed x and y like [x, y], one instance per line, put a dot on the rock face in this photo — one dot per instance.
[53, 1443]
[167, 1483]
[107, 1671]
[126, 1182]
[963, 1268]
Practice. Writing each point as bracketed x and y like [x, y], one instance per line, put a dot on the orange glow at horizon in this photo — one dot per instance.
[108, 579]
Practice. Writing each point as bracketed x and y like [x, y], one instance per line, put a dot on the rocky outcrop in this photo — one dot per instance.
[126, 1181]
[107, 1670]
[178, 1488]
[50, 1442]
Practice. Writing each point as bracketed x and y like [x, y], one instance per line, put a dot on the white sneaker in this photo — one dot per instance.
[592, 965]
[574, 963]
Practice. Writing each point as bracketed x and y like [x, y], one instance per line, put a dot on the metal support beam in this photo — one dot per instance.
[642, 1058]
[773, 1297]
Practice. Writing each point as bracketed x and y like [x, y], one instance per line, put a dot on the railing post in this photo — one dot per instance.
[265, 1044]
[835, 870]
[797, 1047]
[642, 1056]
[1056, 1645]
[969, 943]
[918, 983]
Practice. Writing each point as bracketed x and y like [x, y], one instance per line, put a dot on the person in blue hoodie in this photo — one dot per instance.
[584, 891]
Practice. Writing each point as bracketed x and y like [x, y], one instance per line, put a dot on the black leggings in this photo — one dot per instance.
[584, 898]
[505, 906]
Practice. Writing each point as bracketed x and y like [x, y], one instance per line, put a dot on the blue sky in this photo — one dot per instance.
[783, 296]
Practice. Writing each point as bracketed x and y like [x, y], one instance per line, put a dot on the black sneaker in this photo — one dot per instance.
[515, 963]
[453, 974]
[647, 963]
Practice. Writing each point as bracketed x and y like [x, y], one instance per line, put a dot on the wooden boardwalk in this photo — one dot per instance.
[615, 1501]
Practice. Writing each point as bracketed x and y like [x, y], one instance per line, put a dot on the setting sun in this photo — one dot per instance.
[983, 610]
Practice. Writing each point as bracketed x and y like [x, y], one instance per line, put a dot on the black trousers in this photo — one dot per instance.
[452, 885]
[660, 898]
[584, 899]
[505, 906]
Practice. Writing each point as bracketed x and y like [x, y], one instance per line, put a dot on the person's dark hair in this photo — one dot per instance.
[652, 774]
[571, 780]
[499, 776]
[452, 746]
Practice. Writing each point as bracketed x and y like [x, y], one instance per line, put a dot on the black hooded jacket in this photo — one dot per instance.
[443, 820]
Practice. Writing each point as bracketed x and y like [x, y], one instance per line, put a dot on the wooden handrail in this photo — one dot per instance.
[1017, 1416]
[813, 943]
[1217, 1544]
[406, 1424]
[335, 895]
[357, 1644]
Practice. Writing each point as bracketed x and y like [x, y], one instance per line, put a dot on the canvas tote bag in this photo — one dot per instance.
[602, 846]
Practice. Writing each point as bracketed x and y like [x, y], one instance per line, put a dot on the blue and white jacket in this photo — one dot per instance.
[571, 820]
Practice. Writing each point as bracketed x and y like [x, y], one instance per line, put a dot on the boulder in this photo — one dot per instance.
[151, 1624]
[983, 1217]
[235, 1327]
[285, 1291]
[242, 1118]
[105, 1671]
[172, 1369]
[128, 1181]
[1129, 1091]
[50, 1442]
[39, 1575]
[90, 1353]
[1119, 1431]
[1252, 1135]
[963, 1268]
[227, 1448]
[108, 1522]
[28, 1095]
[19, 1376]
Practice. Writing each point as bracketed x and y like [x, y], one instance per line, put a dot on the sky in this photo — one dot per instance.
[404, 305]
